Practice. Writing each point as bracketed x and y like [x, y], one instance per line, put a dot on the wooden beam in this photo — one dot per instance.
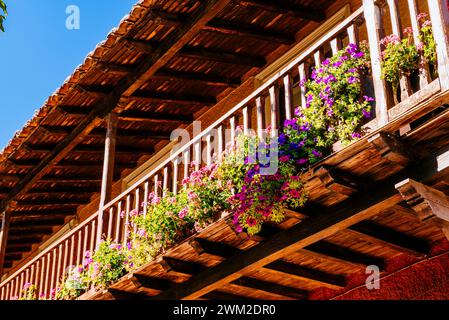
[386, 237]
[182, 267]
[427, 202]
[393, 149]
[159, 284]
[223, 57]
[199, 78]
[271, 287]
[286, 8]
[248, 31]
[141, 116]
[177, 39]
[108, 170]
[193, 101]
[6, 217]
[317, 277]
[54, 202]
[339, 183]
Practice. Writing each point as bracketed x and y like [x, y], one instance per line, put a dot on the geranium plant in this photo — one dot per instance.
[29, 292]
[428, 45]
[76, 282]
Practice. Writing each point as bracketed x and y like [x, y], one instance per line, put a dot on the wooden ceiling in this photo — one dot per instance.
[166, 63]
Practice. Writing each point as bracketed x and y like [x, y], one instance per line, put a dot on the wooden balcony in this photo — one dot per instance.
[413, 116]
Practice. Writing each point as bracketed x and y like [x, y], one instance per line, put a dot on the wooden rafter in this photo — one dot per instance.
[223, 57]
[284, 7]
[199, 78]
[192, 101]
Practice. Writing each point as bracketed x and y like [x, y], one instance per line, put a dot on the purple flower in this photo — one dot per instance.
[358, 55]
[366, 114]
[337, 64]
[317, 153]
[284, 158]
[368, 99]
[302, 161]
[326, 62]
[129, 246]
[183, 213]
[352, 80]
[352, 70]
[356, 135]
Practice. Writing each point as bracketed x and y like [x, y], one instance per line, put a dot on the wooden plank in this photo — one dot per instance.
[199, 78]
[191, 101]
[317, 277]
[271, 287]
[248, 31]
[386, 237]
[223, 57]
[283, 7]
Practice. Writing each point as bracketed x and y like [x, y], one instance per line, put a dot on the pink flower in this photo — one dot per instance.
[134, 213]
[284, 158]
[183, 213]
[27, 285]
[239, 228]
[251, 222]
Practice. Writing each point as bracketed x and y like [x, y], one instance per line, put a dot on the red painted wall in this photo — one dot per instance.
[405, 279]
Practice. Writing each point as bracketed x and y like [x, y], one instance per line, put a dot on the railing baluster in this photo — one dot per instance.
[303, 69]
[406, 88]
[79, 256]
[288, 93]
[119, 221]
[72, 250]
[220, 143]
[274, 110]
[186, 160]
[66, 256]
[353, 36]
[175, 176]
[260, 117]
[335, 45]
[128, 207]
[46, 274]
[58, 272]
[318, 57]
[110, 221]
[42, 277]
[209, 149]
[156, 184]
[53, 272]
[146, 193]
[245, 120]
[232, 125]
[165, 188]
[85, 240]
[373, 19]
[439, 15]
[198, 155]
[93, 237]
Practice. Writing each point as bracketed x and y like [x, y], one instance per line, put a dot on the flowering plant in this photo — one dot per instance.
[107, 264]
[427, 45]
[74, 285]
[334, 106]
[29, 292]
[261, 196]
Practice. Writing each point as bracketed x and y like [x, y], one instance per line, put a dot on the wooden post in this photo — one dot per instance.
[108, 169]
[439, 15]
[373, 19]
[3, 238]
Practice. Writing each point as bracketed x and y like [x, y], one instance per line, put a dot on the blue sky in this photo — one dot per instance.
[37, 52]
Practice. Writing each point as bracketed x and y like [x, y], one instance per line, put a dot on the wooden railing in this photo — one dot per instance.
[48, 268]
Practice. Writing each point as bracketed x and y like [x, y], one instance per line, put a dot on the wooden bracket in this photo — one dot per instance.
[429, 204]
[393, 149]
[336, 181]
